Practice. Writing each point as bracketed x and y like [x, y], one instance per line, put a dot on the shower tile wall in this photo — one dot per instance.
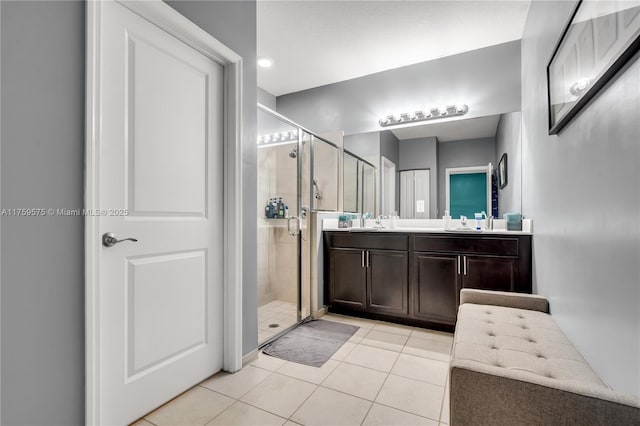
[277, 251]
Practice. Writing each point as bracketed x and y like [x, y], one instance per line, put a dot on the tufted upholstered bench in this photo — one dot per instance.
[512, 365]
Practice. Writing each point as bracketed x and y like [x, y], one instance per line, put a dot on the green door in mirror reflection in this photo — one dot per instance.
[468, 194]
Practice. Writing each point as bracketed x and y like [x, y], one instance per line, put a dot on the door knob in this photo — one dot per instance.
[109, 239]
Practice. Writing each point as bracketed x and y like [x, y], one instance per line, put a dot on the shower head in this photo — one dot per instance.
[293, 153]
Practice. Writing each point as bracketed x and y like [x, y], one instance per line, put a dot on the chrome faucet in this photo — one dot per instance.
[379, 224]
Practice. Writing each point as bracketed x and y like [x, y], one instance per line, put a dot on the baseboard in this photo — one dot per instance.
[319, 313]
[250, 357]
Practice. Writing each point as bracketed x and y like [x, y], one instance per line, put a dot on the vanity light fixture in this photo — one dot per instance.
[426, 114]
[278, 138]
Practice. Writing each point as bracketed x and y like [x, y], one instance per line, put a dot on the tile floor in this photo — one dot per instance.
[284, 314]
[386, 374]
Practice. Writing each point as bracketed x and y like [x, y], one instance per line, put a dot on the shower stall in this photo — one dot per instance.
[298, 173]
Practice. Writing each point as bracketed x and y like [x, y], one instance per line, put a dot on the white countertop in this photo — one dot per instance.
[431, 227]
[429, 231]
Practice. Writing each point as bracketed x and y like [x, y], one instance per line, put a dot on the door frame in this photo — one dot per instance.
[162, 15]
[488, 169]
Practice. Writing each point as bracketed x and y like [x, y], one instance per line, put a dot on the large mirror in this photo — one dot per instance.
[450, 165]
[359, 189]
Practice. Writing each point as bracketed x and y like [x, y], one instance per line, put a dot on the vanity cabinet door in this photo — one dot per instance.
[435, 286]
[490, 273]
[387, 282]
[347, 278]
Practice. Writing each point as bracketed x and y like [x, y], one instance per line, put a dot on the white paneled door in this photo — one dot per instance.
[161, 182]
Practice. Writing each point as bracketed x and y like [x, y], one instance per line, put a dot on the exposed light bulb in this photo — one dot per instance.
[426, 114]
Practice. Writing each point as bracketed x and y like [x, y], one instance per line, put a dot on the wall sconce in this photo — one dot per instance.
[424, 115]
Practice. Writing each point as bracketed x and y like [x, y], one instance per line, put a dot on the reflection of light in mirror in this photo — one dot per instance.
[282, 137]
[580, 86]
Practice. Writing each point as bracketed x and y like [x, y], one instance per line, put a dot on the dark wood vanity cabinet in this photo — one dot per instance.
[387, 282]
[491, 273]
[347, 279]
[417, 277]
[368, 272]
[434, 287]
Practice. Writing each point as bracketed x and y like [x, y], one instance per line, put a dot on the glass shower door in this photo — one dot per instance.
[282, 158]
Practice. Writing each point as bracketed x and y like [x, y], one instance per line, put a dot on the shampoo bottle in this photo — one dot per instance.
[280, 208]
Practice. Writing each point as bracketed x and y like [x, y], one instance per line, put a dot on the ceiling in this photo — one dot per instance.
[314, 43]
[470, 128]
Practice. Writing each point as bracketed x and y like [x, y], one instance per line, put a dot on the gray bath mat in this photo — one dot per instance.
[311, 343]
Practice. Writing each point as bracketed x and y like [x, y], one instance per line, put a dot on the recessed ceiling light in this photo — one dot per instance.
[265, 62]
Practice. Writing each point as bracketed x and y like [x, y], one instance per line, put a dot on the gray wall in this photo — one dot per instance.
[267, 99]
[365, 145]
[465, 153]
[42, 158]
[233, 23]
[509, 141]
[390, 148]
[371, 146]
[581, 189]
[422, 153]
[42, 163]
[488, 80]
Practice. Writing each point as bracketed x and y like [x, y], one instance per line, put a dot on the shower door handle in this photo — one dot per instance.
[296, 231]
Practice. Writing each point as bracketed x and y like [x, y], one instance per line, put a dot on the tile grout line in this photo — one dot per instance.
[302, 403]
[388, 406]
[339, 362]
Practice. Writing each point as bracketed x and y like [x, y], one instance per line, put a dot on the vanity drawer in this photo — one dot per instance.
[476, 245]
[382, 241]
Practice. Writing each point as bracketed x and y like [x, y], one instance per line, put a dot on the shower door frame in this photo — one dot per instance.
[302, 213]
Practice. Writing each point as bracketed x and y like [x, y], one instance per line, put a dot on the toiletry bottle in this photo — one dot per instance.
[446, 220]
[267, 210]
[274, 208]
[478, 218]
[280, 208]
[286, 212]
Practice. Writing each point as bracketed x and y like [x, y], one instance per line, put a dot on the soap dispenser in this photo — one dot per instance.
[446, 220]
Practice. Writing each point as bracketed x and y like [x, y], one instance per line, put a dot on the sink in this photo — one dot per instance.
[365, 229]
